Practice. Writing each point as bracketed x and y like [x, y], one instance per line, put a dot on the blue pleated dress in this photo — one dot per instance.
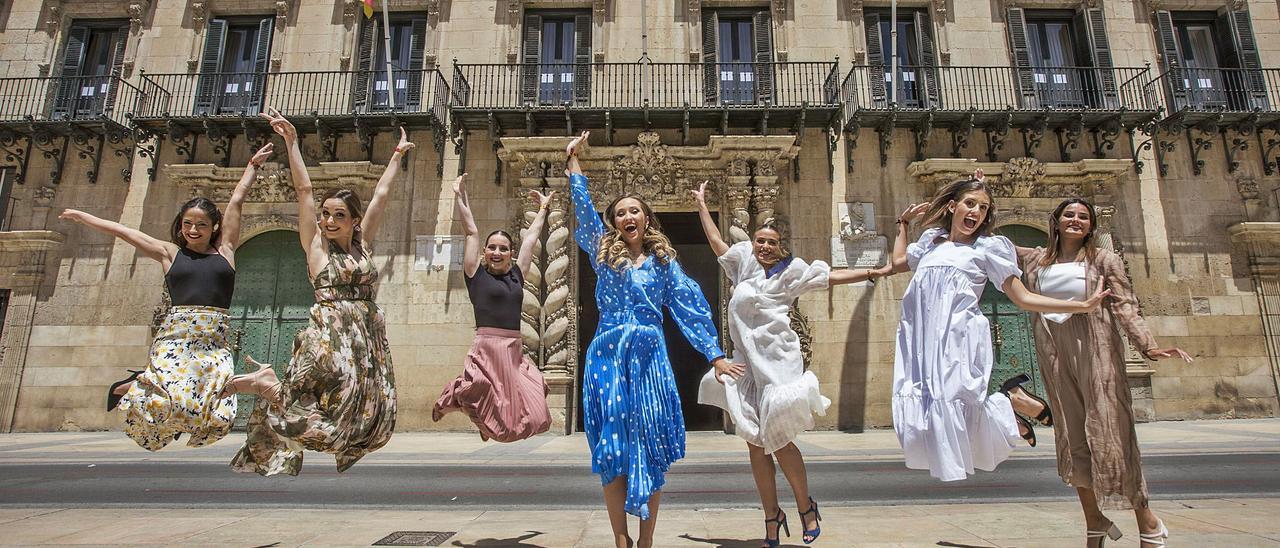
[629, 399]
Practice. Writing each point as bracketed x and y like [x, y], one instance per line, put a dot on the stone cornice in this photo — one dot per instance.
[1258, 236]
[30, 240]
[1026, 177]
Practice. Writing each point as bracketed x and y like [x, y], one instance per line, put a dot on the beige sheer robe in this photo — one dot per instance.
[1083, 364]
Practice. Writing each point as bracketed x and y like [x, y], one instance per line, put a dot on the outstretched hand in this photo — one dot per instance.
[701, 194]
[460, 188]
[1094, 301]
[576, 144]
[544, 200]
[1171, 352]
[405, 145]
[913, 212]
[281, 125]
[263, 154]
[73, 215]
[978, 175]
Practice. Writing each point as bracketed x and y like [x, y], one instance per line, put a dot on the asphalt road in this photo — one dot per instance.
[204, 484]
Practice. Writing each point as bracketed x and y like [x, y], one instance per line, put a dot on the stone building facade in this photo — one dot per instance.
[1165, 113]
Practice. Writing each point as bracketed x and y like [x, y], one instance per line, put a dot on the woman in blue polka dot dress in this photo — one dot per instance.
[631, 408]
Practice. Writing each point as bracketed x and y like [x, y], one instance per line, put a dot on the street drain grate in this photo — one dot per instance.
[415, 538]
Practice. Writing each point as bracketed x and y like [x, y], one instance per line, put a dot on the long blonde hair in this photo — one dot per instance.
[613, 249]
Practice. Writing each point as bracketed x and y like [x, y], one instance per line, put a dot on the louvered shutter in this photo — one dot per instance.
[762, 30]
[72, 66]
[1024, 74]
[364, 65]
[928, 58]
[875, 61]
[121, 37]
[211, 80]
[582, 58]
[529, 81]
[710, 57]
[1252, 82]
[1103, 76]
[417, 54]
[1167, 38]
[261, 64]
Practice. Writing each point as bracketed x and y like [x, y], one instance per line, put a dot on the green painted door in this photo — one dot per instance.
[1011, 333]
[272, 298]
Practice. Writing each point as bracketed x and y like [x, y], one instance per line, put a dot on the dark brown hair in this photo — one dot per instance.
[783, 228]
[1053, 248]
[510, 241]
[940, 215]
[209, 208]
[352, 201]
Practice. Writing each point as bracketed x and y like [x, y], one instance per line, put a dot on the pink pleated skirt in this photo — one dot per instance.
[503, 393]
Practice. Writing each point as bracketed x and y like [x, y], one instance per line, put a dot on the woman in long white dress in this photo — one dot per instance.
[774, 399]
[945, 420]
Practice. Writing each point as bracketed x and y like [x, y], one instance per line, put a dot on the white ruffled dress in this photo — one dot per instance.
[945, 420]
[776, 399]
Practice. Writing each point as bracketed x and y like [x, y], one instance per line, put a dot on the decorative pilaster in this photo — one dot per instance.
[199, 25]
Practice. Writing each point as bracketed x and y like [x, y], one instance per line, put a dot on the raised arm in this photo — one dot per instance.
[708, 224]
[307, 231]
[849, 276]
[231, 217]
[529, 238]
[378, 204]
[1035, 302]
[898, 262]
[471, 234]
[590, 227]
[156, 249]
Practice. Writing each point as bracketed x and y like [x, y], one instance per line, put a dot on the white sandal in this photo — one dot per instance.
[1112, 532]
[1158, 537]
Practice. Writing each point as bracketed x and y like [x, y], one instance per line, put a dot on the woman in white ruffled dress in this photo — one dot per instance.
[946, 421]
[773, 399]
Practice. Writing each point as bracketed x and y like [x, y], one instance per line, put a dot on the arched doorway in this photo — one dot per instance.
[1011, 333]
[272, 298]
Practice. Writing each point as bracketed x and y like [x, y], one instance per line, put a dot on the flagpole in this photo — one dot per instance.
[386, 43]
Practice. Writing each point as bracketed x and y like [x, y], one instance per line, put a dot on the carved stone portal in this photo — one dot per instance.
[272, 184]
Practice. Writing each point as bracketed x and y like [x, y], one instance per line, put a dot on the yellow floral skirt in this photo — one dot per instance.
[179, 392]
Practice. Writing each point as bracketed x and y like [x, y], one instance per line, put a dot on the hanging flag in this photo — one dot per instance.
[368, 9]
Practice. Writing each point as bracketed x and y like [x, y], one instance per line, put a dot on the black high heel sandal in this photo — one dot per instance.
[781, 520]
[1030, 436]
[811, 535]
[1046, 415]
[113, 399]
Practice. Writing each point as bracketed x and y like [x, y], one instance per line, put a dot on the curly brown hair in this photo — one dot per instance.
[613, 249]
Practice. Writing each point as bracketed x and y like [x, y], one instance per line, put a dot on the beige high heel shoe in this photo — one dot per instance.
[262, 383]
[1112, 532]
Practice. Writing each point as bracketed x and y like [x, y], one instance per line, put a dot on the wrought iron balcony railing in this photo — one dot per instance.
[1219, 89]
[74, 98]
[641, 85]
[956, 88]
[331, 93]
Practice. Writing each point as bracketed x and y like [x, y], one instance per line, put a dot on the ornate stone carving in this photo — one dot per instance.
[272, 184]
[433, 12]
[1247, 186]
[43, 196]
[252, 225]
[559, 319]
[1025, 177]
[136, 11]
[199, 15]
[649, 171]
[53, 16]
[855, 8]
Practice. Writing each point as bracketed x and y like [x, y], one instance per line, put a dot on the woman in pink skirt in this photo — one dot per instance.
[502, 392]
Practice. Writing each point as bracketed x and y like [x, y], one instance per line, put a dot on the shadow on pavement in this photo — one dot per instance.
[516, 542]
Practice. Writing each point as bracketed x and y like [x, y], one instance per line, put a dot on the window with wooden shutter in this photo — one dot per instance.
[1251, 83]
[762, 31]
[1167, 40]
[532, 50]
[261, 63]
[928, 59]
[417, 56]
[710, 68]
[1016, 20]
[877, 67]
[582, 59]
[210, 81]
[1102, 80]
[364, 65]
[121, 39]
[69, 84]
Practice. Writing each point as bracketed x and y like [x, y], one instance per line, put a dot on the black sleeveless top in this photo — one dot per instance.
[198, 279]
[497, 299]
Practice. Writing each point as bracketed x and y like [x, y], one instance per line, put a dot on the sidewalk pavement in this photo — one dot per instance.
[1193, 523]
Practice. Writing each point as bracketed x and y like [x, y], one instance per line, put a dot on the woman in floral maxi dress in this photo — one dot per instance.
[190, 361]
[338, 394]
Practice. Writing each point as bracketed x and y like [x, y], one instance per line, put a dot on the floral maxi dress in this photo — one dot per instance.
[339, 389]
